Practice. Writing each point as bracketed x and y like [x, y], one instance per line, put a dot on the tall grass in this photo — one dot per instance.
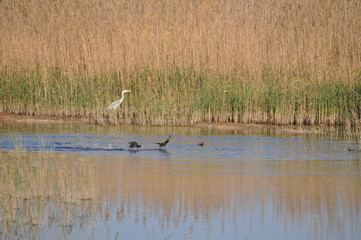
[279, 62]
[42, 189]
[180, 97]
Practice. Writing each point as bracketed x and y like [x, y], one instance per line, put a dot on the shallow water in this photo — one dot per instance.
[251, 184]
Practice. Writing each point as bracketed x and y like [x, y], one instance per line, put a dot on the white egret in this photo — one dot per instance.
[117, 103]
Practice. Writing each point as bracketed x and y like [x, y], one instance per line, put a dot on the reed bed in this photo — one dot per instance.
[180, 97]
[40, 189]
[276, 62]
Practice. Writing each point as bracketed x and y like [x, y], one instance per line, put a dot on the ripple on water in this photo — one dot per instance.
[257, 185]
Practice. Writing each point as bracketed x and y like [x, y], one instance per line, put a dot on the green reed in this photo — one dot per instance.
[178, 96]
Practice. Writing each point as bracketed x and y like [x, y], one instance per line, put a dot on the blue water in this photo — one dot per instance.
[230, 146]
[249, 184]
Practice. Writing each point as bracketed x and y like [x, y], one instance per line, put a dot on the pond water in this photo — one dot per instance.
[259, 183]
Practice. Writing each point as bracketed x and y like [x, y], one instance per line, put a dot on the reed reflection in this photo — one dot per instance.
[43, 195]
[313, 198]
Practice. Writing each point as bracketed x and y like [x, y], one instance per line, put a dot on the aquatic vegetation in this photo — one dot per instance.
[39, 189]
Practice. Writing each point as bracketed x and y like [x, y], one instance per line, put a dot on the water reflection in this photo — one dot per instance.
[241, 185]
[197, 199]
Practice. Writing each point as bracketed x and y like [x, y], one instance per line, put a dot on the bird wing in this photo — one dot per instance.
[113, 105]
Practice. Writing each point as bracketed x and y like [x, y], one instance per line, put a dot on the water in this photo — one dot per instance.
[251, 184]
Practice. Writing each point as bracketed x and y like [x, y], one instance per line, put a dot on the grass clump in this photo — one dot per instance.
[40, 189]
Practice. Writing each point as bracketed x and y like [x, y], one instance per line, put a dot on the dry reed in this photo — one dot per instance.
[279, 48]
[92, 36]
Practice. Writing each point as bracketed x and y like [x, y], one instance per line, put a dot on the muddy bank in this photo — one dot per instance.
[286, 128]
[8, 117]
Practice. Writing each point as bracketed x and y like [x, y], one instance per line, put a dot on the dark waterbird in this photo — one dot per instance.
[353, 150]
[163, 144]
[134, 145]
[201, 144]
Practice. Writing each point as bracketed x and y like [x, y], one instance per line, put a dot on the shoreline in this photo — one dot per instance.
[19, 118]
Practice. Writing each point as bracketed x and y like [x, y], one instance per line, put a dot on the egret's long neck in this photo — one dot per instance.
[122, 98]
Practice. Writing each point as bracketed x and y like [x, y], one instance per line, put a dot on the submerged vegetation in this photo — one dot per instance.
[41, 189]
[186, 62]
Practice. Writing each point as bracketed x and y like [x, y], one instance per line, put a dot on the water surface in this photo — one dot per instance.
[250, 184]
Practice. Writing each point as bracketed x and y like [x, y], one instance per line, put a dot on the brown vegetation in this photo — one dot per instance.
[279, 62]
[92, 36]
